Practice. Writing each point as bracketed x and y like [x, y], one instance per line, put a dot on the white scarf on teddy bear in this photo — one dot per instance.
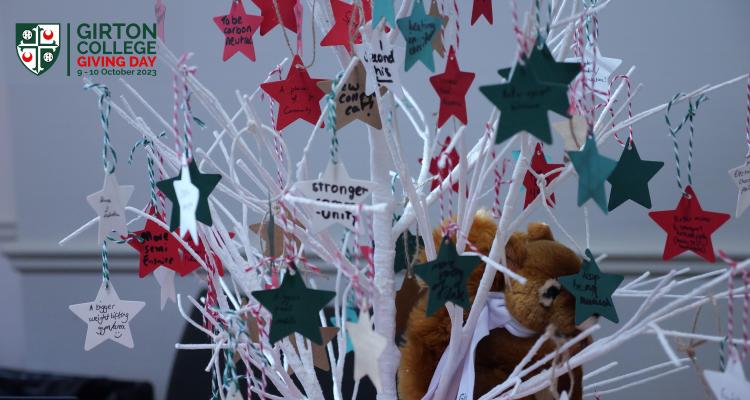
[494, 315]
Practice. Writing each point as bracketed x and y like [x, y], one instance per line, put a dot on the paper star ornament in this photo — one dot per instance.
[730, 384]
[319, 352]
[573, 131]
[437, 40]
[190, 264]
[205, 183]
[630, 178]
[352, 102]
[593, 170]
[109, 204]
[298, 95]
[481, 8]
[334, 186]
[741, 178]
[381, 62]
[156, 247]
[547, 69]
[540, 166]
[165, 278]
[441, 172]
[600, 75]
[270, 16]
[238, 28]
[187, 198]
[347, 19]
[592, 290]
[294, 308]
[524, 102]
[689, 227]
[368, 347]
[107, 317]
[418, 30]
[451, 86]
[383, 10]
[446, 277]
[273, 237]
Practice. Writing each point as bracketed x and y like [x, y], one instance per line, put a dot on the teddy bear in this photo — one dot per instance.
[537, 304]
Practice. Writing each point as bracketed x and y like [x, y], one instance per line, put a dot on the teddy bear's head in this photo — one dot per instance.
[540, 259]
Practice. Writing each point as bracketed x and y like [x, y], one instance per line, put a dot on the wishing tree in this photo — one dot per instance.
[263, 307]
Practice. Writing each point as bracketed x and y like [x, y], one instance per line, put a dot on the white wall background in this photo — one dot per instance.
[55, 147]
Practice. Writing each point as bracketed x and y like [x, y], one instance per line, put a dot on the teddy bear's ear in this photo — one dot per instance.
[539, 231]
[515, 250]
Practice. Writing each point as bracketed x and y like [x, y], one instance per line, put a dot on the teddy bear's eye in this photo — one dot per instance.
[548, 292]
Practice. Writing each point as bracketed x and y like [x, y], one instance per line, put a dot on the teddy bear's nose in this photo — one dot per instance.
[548, 292]
[551, 292]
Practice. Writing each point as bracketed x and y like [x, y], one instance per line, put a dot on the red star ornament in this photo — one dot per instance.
[346, 24]
[539, 165]
[688, 227]
[191, 264]
[239, 28]
[452, 86]
[481, 7]
[298, 96]
[451, 161]
[156, 247]
[270, 17]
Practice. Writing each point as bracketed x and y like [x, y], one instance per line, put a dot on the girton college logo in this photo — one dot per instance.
[38, 46]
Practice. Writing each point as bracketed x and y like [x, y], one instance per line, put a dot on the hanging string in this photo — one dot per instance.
[458, 25]
[626, 79]
[689, 116]
[105, 264]
[148, 147]
[520, 36]
[331, 117]
[187, 109]
[104, 108]
[298, 16]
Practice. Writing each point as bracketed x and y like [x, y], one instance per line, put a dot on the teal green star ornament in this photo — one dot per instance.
[205, 184]
[547, 69]
[418, 30]
[593, 170]
[383, 9]
[592, 290]
[446, 276]
[524, 102]
[630, 178]
[294, 308]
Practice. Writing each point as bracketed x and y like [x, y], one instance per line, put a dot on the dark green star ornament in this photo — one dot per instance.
[407, 246]
[205, 184]
[547, 69]
[294, 308]
[418, 29]
[630, 178]
[592, 290]
[524, 102]
[593, 170]
[447, 275]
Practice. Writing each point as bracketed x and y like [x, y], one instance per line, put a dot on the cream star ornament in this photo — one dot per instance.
[107, 317]
[730, 384]
[334, 186]
[573, 132]
[741, 178]
[109, 204]
[187, 199]
[381, 61]
[605, 67]
[165, 278]
[368, 347]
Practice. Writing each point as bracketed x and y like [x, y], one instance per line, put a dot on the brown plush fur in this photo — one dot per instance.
[536, 256]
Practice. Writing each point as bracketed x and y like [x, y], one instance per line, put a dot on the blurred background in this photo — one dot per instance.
[50, 143]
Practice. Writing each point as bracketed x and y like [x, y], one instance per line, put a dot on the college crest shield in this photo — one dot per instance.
[38, 46]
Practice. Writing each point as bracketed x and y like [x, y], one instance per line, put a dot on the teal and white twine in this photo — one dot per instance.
[147, 144]
[331, 117]
[689, 116]
[105, 264]
[104, 109]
